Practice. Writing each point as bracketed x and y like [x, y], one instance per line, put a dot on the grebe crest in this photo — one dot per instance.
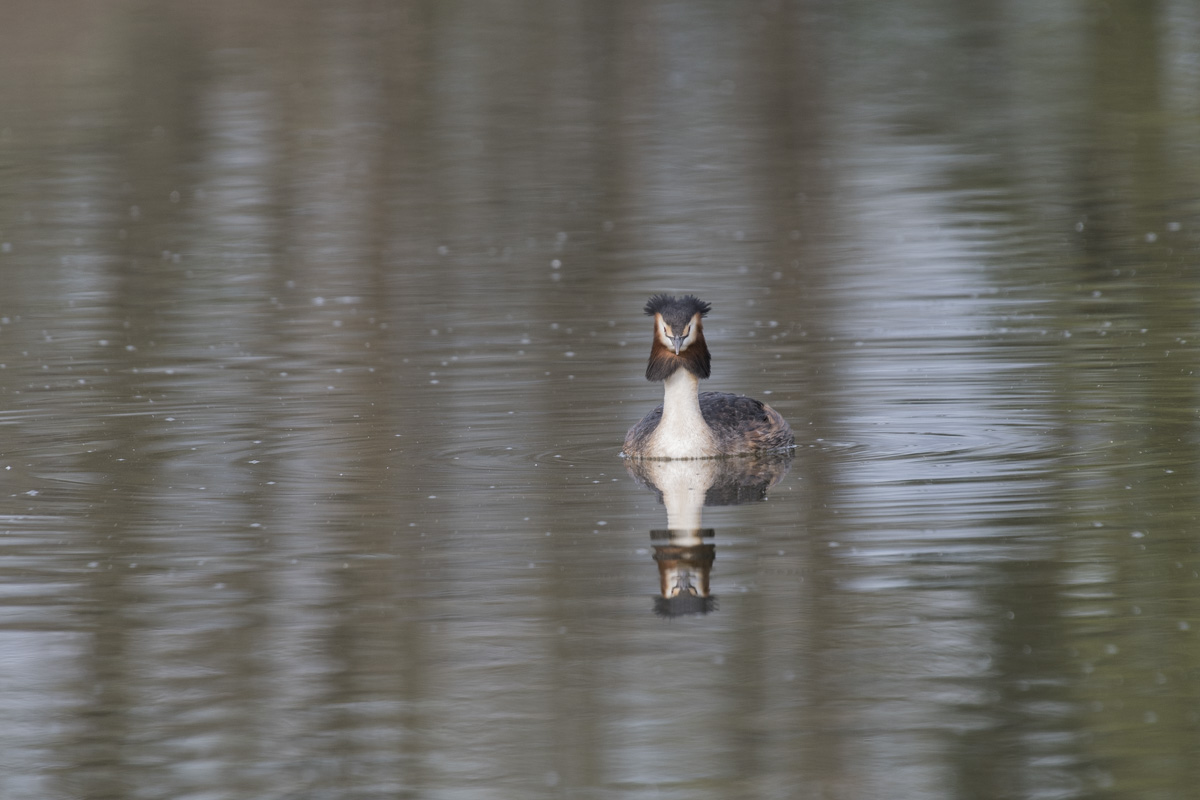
[690, 423]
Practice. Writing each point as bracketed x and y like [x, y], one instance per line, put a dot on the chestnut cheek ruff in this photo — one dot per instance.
[663, 362]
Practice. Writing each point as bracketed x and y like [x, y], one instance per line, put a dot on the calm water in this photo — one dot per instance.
[320, 331]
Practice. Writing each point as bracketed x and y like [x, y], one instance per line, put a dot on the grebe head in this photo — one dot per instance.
[678, 336]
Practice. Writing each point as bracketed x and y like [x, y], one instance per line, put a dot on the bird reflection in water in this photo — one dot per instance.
[684, 559]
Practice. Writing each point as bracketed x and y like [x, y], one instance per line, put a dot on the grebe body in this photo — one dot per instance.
[691, 423]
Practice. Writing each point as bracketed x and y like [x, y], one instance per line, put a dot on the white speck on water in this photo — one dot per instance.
[318, 301]
[556, 264]
[1151, 237]
[1137, 534]
[432, 497]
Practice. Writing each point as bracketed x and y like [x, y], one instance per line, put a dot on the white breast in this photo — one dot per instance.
[682, 433]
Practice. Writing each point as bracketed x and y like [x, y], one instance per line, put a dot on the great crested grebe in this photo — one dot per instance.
[691, 423]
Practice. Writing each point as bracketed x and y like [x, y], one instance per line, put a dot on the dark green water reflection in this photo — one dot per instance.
[320, 331]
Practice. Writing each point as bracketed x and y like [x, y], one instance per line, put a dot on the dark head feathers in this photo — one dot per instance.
[676, 310]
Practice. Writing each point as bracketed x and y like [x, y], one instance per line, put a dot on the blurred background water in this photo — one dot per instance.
[320, 329]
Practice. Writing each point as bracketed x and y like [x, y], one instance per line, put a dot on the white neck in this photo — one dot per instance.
[682, 433]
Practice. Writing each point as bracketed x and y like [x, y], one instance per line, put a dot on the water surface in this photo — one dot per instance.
[321, 330]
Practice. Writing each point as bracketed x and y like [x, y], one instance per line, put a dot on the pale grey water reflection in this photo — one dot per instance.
[320, 331]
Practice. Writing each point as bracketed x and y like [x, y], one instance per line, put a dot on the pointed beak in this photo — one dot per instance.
[678, 342]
